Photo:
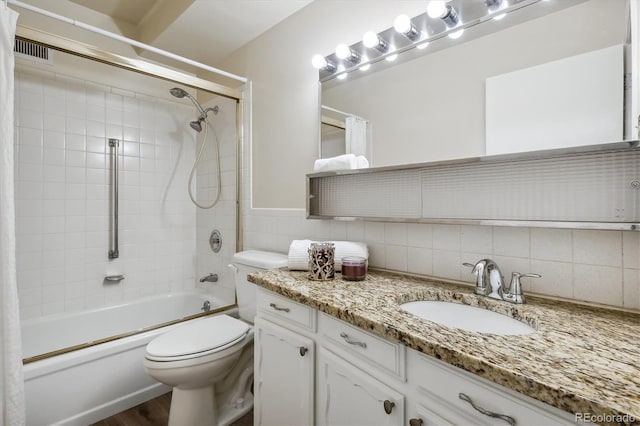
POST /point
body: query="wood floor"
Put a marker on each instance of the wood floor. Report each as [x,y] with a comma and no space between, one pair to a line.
[155,413]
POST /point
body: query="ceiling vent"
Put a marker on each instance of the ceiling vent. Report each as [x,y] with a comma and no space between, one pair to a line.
[33,51]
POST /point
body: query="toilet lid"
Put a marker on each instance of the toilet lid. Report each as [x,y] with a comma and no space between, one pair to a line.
[200,336]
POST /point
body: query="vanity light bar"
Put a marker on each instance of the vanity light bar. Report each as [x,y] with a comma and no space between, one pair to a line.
[358,56]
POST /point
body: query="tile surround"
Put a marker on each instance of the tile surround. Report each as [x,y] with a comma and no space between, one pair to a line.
[62,188]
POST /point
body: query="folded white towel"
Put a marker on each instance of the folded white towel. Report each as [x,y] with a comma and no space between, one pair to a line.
[341,162]
[362,162]
[299,253]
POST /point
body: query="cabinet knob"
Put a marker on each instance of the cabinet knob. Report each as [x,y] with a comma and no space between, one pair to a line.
[388,406]
[416,422]
[303,350]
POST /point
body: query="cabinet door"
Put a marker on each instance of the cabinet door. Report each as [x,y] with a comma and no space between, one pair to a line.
[283,381]
[348,396]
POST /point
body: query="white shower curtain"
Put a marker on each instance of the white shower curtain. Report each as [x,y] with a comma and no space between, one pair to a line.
[356,136]
[11,378]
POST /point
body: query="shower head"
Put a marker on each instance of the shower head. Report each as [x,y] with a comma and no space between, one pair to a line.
[196,125]
[180,93]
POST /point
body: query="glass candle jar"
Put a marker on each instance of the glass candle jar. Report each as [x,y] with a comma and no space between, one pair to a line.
[354,268]
[322,261]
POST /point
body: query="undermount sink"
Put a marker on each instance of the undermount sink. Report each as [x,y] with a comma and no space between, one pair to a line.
[467,317]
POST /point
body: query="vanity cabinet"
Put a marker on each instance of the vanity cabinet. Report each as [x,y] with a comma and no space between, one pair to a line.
[348,396]
[348,376]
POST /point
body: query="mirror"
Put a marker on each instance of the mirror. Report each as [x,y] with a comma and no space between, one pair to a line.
[443,104]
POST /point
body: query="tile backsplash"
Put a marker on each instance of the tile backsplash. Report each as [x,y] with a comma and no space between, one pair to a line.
[592,266]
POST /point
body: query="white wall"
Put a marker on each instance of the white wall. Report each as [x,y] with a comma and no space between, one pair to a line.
[594,266]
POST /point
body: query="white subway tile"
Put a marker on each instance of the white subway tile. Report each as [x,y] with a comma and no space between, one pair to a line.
[599,284]
[556,280]
[631,249]
[631,295]
[374,232]
[419,235]
[420,261]
[446,237]
[396,257]
[513,242]
[552,244]
[395,234]
[477,239]
[597,247]
[446,264]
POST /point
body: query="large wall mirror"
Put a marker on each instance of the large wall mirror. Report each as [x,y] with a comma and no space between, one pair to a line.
[505,86]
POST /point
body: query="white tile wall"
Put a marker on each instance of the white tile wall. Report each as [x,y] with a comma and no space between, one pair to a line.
[593,266]
[62,190]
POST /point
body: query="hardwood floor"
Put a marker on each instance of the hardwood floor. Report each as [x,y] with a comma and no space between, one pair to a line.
[155,413]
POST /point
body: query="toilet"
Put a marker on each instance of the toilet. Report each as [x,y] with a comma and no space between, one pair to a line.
[209,362]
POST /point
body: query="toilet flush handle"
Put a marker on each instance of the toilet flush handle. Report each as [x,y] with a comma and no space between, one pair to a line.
[233,267]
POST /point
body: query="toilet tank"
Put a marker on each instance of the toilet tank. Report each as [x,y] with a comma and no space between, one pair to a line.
[246,262]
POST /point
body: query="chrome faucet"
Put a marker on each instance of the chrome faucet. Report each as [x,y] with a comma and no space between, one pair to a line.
[211,278]
[490,282]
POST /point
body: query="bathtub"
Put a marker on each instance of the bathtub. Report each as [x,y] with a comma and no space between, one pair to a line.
[82,367]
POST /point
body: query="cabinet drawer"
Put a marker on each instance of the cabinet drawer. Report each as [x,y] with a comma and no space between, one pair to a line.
[357,345]
[281,308]
[442,384]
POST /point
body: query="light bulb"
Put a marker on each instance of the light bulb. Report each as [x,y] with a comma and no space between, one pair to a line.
[402,24]
[436,9]
[391,58]
[318,61]
[343,51]
[370,39]
[456,34]
[423,45]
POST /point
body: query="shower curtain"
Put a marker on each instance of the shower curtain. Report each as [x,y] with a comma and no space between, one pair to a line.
[11,378]
[356,136]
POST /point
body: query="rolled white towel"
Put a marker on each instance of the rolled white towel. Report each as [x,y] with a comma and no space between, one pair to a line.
[341,162]
[362,162]
[299,253]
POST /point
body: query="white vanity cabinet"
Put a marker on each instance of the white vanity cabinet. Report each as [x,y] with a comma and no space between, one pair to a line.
[348,396]
[348,376]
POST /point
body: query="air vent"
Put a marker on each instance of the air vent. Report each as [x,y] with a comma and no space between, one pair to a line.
[33,51]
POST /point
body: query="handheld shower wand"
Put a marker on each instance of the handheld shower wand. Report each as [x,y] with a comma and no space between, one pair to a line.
[197,126]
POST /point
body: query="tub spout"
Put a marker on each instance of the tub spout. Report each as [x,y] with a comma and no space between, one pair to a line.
[211,278]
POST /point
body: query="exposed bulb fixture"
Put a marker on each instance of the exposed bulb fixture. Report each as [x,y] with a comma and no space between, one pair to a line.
[456,34]
[404,26]
[495,6]
[345,52]
[321,63]
[439,9]
[371,40]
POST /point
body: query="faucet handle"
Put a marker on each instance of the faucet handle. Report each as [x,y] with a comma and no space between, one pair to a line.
[483,287]
[514,292]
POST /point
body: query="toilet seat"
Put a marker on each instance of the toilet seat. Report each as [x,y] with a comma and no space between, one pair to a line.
[199,339]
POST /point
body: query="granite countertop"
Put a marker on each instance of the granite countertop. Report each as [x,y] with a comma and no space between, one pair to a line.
[582,359]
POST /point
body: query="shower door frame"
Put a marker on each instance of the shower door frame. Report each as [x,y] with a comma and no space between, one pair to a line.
[140,66]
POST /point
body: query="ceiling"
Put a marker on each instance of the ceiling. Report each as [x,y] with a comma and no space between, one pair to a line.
[203,30]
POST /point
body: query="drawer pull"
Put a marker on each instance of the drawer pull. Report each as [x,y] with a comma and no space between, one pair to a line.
[347,339]
[303,350]
[416,422]
[388,406]
[277,308]
[504,417]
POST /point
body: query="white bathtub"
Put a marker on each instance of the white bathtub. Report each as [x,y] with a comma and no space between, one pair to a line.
[103,375]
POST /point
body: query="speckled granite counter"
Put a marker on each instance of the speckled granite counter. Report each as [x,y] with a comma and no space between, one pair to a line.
[581,360]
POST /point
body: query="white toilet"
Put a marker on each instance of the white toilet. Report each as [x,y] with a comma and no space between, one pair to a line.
[209,362]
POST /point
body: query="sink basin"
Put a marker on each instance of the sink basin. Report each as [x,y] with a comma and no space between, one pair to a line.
[467,317]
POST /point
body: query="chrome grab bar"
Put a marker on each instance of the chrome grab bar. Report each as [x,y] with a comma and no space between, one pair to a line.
[113,252]
[114,278]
